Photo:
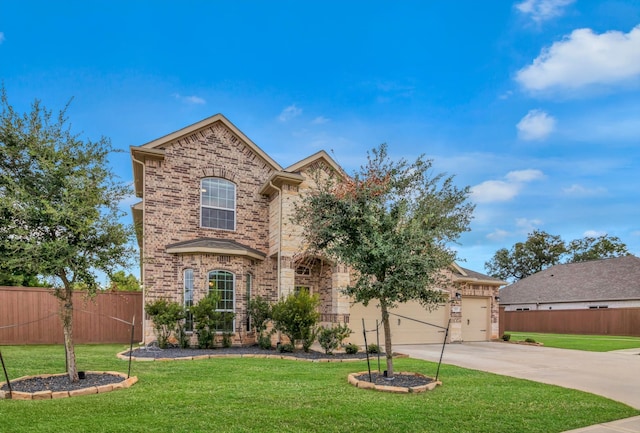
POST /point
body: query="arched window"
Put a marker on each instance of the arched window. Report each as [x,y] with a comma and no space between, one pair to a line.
[223,283]
[188,298]
[217,204]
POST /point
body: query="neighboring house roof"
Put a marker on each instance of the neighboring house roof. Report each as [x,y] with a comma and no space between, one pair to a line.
[596,280]
[214,246]
[463,275]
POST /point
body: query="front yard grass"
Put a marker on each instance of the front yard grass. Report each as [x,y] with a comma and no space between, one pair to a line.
[591,343]
[271,395]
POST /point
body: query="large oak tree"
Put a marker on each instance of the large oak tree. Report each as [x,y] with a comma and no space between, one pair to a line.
[392,223]
[59,215]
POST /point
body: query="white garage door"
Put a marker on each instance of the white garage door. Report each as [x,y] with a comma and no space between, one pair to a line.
[475,319]
[403,330]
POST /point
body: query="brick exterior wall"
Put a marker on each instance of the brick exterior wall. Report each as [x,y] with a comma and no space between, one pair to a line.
[171,214]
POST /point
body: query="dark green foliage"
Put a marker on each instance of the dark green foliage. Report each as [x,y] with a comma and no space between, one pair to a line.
[392,222]
[286,348]
[260,313]
[542,250]
[351,348]
[264,342]
[506,337]
[373,348]
[331,338]
[226,339]
[182,335]
[529,340]
[165,316]
[120,281]
[59,208]
[208,321]
[296,316]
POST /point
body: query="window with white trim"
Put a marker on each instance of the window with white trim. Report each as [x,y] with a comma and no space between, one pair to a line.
[217,204]
[223,283]
[188,298]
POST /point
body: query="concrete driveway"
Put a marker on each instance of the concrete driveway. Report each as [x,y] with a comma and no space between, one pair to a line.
[615,375]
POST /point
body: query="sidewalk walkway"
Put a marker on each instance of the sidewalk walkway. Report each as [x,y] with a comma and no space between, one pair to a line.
[627,425]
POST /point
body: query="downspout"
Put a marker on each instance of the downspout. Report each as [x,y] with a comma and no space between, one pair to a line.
[142,285]
[279,238]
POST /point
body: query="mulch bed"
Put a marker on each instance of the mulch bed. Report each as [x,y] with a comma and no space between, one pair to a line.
[402,380]
[61,383]
[174,352]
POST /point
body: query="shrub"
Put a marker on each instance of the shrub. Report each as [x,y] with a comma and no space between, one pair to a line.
[208,321]
[286,348]
[506,337]
[181,335]
[296,317]
[373,348]
[351,348]
[331,338]
[260,314]
[529,340]
[165,316]
[264,342]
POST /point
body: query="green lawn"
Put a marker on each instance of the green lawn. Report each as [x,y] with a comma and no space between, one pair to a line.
[270,395]
[592,343]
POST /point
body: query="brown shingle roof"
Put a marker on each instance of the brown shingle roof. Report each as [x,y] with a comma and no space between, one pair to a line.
[597,280]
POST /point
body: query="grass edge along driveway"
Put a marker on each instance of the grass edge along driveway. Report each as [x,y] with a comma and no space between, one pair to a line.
[271,395]
[591,343]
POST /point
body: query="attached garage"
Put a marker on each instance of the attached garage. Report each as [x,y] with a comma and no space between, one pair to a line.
[403,330]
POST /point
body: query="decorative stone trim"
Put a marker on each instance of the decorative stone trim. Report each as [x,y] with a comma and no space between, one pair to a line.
[362,384]
[48,395]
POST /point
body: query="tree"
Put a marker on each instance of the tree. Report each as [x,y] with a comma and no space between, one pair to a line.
[538,252]
[391,223]
[594,248]
[123,282]
[542,250]
[58,208]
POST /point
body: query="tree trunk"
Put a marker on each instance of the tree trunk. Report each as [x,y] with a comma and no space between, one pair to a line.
[66,312]
[387,338]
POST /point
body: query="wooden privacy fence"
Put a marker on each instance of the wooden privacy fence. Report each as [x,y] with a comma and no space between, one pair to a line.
[30,316]
[604,321]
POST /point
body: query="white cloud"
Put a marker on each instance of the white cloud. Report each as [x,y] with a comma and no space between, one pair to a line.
[196,100]
[289,113]
[491,191]
[498,235]
[584,58]
[320,120]
[1,37]
[536,125]
[524,175]
[528,225]
[593,234]
[579,190]
[542,10]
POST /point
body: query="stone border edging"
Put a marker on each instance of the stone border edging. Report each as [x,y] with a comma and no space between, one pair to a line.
[121,355]
[395,389]
[47,395]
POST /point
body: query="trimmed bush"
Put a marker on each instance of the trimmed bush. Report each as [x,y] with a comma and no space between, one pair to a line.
[331,338]
[373,348]
[165,316]
[506,337]
[351,348]
[296,317]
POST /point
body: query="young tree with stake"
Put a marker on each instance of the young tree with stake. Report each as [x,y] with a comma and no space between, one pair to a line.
[391,223]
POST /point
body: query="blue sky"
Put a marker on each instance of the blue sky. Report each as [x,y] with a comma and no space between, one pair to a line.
[534,104]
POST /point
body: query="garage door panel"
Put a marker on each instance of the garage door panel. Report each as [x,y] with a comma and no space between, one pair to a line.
[403,329]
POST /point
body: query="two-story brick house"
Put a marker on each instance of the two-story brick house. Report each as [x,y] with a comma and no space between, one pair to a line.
[216,214]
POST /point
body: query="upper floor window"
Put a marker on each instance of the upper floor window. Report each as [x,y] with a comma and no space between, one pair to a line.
[217,204]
